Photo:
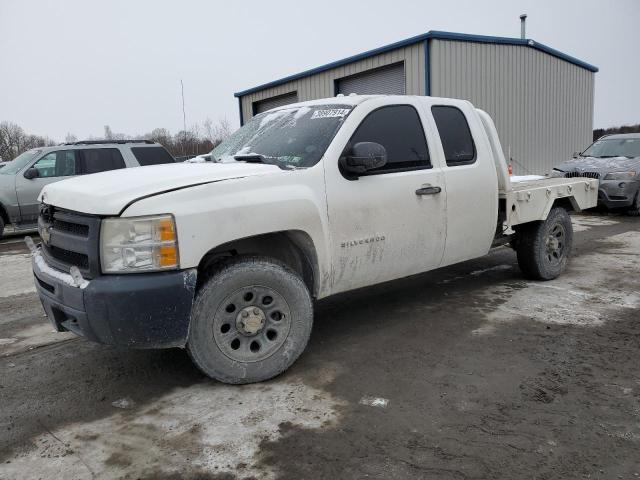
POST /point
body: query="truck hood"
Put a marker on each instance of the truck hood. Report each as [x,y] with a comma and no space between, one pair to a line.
[109,193]
[601,165]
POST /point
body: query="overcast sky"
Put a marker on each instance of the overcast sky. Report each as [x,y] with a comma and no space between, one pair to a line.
[77,65]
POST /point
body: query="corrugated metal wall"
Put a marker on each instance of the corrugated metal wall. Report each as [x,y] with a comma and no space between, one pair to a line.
[321,85]
[542,106]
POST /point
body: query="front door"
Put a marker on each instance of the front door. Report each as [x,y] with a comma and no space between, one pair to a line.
[52,167]
[390,222]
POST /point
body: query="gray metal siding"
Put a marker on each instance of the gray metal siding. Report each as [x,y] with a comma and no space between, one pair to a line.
[322,84]
[387,80]
[542,105]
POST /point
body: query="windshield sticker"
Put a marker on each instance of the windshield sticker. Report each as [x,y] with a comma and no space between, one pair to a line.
[330,113]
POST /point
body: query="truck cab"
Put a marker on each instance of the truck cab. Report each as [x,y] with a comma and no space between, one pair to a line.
[311,199]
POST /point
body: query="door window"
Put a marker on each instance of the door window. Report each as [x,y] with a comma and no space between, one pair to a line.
[95,160]
[57,164]
[399,130]
[455,135]
[152,156]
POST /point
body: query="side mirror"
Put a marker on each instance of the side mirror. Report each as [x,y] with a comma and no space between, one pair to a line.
[363,156]
[31,173]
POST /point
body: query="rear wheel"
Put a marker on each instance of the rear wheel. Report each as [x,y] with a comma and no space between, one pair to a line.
[543,248]
[250,321]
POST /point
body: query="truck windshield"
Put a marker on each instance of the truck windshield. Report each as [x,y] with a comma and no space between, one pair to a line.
[295,137]
[18,163]
[614,147]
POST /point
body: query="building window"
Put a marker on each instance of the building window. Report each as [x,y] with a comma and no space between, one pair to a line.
[399,130]
[455,135]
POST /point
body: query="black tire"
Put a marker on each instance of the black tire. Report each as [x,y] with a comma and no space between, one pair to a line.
[634,210]
[543,248]
[1,227]
[222,345]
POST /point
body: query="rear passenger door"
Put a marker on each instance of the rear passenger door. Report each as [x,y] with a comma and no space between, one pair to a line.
[385,224]
[472,182]
[96,160]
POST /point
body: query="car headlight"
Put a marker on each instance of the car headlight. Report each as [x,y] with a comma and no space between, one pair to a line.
[620,175]
[139,244]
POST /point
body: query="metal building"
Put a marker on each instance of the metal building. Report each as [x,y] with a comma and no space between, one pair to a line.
[540,99]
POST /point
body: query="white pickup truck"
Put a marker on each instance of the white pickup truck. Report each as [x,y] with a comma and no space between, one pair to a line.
[308,200]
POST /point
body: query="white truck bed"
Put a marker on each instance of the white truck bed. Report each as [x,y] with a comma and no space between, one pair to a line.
[532,200]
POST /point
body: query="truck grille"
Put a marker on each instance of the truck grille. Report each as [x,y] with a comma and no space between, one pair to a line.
[70,239]
[595,175]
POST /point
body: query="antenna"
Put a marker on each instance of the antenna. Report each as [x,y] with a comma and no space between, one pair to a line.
[184,119]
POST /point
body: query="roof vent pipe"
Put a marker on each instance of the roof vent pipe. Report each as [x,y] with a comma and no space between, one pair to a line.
[523,26]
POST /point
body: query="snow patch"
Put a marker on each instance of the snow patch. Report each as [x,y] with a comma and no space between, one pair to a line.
[582,223]
[209,426]
[568,300]
[16,277]
[57,274]
[526,178]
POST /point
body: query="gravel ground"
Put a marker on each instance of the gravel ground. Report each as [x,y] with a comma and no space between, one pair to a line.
[463,373]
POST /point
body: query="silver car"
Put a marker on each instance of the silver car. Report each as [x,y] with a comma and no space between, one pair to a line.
[615,161]
[22,179]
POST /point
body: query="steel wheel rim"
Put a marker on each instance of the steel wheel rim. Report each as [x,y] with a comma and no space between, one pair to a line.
[261,332]
[555,244]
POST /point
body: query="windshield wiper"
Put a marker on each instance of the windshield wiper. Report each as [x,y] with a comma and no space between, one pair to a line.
[251,158]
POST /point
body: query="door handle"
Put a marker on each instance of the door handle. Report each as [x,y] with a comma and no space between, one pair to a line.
[428,190]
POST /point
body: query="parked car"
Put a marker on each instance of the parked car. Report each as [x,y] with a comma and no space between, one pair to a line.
[614,160]
[23,178]
[323,197]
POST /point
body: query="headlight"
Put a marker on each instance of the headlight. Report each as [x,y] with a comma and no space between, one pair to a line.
[139,244]
[556,173]
[620,175]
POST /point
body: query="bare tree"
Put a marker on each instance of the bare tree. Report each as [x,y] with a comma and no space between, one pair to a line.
[14,141]
[217,133]
[70,138]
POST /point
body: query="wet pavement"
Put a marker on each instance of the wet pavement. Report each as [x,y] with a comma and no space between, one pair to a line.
[468,372]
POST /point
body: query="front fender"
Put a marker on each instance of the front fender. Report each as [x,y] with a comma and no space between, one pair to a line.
[211,215]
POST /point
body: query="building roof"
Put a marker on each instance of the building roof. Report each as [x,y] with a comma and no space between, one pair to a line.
[433,34]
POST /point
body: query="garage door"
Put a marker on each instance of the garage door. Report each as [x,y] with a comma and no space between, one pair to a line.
[387,80]
[273,102]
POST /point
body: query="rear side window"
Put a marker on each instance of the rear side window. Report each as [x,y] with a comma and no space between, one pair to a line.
[455,135]
[152,156]
[399,130]
[95,160]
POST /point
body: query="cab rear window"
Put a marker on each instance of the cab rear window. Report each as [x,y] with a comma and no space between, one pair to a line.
[152,156]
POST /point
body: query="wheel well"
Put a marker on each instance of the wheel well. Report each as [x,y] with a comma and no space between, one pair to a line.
[294,248]
[568,203]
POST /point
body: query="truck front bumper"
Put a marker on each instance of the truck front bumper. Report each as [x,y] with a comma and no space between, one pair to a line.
[616,193]
[149,310]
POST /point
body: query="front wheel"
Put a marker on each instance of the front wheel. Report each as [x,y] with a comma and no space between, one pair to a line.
[250,321]
[634,210]
[543,248]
